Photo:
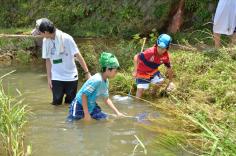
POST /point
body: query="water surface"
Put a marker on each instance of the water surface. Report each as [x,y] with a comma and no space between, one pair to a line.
[50,134]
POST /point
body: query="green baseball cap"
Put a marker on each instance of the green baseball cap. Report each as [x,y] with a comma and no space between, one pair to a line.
[108,60]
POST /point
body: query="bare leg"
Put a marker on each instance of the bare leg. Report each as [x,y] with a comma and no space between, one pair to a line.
[217,40]
[233,39]
[139,92]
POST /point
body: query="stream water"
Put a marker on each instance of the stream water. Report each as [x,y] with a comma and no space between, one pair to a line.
[49,134]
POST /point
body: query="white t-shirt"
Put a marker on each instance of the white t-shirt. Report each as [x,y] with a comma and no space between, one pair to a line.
[63,65]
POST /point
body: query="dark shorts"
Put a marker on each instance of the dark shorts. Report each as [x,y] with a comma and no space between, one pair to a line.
[145,81]
[76,112]
[61,88]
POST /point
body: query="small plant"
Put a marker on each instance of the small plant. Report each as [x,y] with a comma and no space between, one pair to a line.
[139,144]
[23,56]
[121,83]
[12,120]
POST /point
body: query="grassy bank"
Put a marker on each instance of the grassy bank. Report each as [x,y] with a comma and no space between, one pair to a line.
[202,108]
[21,50]
[14,30]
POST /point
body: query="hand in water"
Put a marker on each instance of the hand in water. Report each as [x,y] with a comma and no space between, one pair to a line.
[170,87]
[87,118]
[119,115]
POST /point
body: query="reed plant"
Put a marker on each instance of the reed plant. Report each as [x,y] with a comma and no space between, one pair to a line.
[12,120]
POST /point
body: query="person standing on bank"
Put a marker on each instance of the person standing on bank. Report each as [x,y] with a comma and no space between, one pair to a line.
[225,21]
[60,51]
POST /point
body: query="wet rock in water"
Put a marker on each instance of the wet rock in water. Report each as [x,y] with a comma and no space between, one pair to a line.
[6,59]
[121,98]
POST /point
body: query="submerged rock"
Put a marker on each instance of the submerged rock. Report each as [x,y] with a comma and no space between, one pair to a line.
[6,59]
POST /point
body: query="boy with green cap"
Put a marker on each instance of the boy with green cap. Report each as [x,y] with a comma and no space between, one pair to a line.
[84,105]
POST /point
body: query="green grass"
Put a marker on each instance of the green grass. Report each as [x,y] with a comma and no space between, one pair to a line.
[204,103]
[202,108]
[22,30]
[12,120]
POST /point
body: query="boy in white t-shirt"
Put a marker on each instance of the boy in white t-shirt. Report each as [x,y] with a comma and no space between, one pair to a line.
[60,51]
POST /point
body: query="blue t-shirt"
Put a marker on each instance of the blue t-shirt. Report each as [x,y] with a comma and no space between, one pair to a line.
[94,87]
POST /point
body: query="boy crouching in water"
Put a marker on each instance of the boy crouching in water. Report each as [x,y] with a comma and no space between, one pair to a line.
[84,105]
[146,66]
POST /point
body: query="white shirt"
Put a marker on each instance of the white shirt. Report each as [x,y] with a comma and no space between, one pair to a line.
[63,64]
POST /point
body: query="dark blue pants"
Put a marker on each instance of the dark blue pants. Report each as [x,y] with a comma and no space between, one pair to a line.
[76,112]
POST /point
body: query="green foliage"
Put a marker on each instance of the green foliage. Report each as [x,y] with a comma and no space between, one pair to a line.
[196,37]
[16,43]
[15,30]
[17,48]
[102,18]
[211,73]
[200,10]
[23,57]
[12,121]
[162,10]
[219,135]
[121,83]
[205,102]
[13,13]
[125,52]
[91,57]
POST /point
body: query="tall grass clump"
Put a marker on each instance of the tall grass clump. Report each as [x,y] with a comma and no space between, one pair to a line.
[12,120]
[202,108]
[122,83]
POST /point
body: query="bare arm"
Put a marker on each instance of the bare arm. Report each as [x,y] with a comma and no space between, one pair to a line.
[49,74]
[80,59]
[111,105]
[170,74]
[87,116]
[171,85]
[135,61]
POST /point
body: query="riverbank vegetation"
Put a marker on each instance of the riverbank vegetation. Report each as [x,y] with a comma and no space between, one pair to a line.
[12,121]
[122,18]
[202,108]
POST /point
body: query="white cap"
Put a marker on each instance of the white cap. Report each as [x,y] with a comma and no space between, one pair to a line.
[36,31]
